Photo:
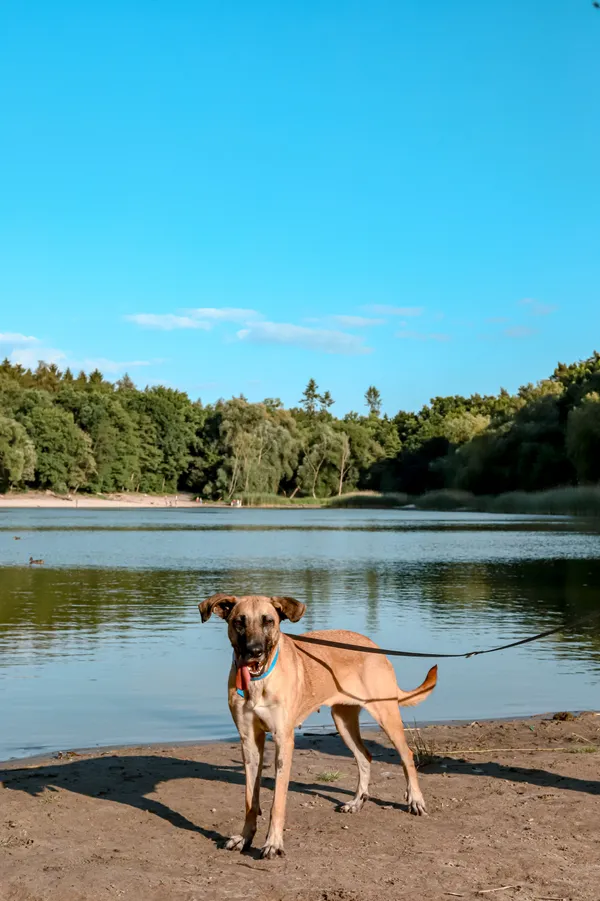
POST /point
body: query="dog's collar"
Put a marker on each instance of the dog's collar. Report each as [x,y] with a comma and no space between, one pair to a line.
[263,676]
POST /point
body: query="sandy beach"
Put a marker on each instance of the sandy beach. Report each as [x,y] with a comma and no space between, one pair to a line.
[48,500]
[513,808]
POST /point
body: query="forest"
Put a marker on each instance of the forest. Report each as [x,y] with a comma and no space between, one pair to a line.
[68,433]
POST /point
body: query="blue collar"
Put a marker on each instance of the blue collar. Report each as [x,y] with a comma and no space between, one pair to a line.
[264,675]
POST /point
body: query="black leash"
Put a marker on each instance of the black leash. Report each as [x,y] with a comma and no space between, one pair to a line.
[503,647]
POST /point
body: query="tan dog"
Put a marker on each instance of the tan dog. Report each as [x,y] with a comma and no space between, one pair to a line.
[276,681]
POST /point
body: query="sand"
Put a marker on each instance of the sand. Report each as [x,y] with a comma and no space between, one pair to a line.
[47,500]
[514,813]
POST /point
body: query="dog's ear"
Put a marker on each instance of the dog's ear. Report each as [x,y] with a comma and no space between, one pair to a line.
[221,604]
[289,608]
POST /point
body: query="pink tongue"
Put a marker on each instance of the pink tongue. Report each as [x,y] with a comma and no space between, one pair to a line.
[243,678]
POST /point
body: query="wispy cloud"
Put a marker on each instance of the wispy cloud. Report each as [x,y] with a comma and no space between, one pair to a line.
[28,351]
[109,367]
[519,331]
[17,338]
[223,314]
[383,309]
[31,356]
[356,321]
[167,322]
[422,336]
[325,340]
[536,308]
[497,320]
[204,318]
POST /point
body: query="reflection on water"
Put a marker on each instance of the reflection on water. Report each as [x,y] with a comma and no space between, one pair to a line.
[104,645]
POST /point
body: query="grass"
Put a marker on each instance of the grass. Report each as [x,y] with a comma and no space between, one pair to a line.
[424,751]
[586,749]
[279,500]
[329,776]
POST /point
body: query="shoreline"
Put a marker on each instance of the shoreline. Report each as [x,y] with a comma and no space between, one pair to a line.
[321,732]
[49,501]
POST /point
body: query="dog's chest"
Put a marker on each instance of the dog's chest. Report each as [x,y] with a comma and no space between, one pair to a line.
[264,707]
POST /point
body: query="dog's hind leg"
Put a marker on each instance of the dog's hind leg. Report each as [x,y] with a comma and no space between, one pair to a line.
[253,746]
[387,714]
[346,722]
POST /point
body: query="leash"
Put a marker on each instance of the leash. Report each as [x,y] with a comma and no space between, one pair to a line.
[388,653]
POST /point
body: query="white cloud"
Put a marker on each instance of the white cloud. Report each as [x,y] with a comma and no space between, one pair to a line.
[422,336]
[28,351]
[223,314]
[356,321]
[384,310]
[17,338]
[326,340]
[200,318]
[166,321]
[519,331]
[536,308]
[29,357]
[109,367]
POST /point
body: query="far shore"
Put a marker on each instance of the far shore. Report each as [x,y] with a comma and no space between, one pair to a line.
[49,500]
[580,500]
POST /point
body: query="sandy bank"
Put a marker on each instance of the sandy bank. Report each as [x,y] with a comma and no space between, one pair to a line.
[514,807]
[48,500]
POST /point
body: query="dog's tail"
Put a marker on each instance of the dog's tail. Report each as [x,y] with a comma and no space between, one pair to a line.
[414,697]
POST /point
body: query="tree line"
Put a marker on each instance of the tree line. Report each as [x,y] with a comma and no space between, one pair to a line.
[64,432]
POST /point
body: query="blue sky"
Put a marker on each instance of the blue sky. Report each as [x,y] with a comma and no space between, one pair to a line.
[237,197]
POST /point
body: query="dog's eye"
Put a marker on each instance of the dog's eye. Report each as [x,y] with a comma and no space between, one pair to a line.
[267,621]
[239,623]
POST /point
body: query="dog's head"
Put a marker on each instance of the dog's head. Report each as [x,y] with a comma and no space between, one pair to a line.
[253,624]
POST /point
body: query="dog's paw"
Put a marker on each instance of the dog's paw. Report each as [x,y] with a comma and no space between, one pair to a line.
[416,805]
[237,843]
[353,806]
[271,851]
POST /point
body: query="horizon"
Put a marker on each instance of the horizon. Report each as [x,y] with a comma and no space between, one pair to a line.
[232,201]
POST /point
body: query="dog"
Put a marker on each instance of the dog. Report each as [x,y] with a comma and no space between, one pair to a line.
[277,680]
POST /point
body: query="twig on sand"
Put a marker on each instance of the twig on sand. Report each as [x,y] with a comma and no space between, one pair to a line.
[502,888]
[582,737]
[496,750]
[454,894]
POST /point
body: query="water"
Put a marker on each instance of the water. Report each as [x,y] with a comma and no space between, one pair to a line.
[103,644]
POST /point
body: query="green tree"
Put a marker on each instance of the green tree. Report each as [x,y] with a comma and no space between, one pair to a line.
[17,454]
[325,401]
[261,448]
[115,440]
[310,398]
[373,400]
[322,455]
[64,454]
[583,438]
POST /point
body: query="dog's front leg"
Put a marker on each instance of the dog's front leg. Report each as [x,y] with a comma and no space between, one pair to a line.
[253,746]
[284,749]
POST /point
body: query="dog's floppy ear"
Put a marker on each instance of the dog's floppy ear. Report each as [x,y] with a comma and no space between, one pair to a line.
[221,604]
[289,608]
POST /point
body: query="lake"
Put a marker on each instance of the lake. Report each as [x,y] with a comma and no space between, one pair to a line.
[103,644]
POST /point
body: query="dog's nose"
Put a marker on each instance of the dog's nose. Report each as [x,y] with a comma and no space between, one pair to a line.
[254,649]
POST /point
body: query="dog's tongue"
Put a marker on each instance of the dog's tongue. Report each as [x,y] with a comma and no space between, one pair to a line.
[242,678]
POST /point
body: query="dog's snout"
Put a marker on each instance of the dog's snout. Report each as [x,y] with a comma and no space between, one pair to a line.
[254,649]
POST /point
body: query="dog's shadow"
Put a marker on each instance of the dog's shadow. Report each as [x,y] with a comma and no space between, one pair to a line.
[129,779]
